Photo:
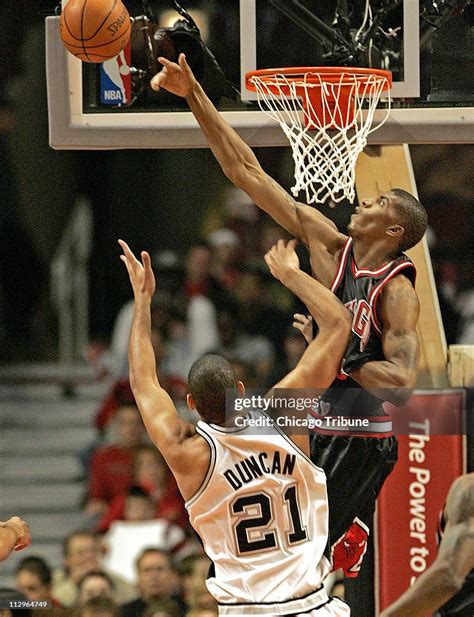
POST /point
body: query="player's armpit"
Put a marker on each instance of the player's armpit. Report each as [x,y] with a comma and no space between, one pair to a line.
[319,230]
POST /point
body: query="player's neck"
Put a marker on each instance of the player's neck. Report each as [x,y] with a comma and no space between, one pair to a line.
[371,255]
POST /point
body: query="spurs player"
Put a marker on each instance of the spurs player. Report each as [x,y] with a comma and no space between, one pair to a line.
[256,499]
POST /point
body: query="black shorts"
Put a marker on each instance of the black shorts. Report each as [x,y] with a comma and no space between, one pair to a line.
[356,468]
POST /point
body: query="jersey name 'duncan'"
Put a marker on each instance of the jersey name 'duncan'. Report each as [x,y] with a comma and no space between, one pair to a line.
[253,467]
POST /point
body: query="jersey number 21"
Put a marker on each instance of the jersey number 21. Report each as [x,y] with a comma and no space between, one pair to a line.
[254,532]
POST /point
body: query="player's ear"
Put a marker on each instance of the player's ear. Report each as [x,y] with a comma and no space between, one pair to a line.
[241,388]
[395,231]
[190,402]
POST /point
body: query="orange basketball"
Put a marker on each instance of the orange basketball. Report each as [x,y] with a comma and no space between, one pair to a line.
[95,30]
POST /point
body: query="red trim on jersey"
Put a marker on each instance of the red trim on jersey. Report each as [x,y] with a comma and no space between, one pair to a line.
[342,266]
[369,431]
[336,433]
[385,418]
[360,273]
[375,291]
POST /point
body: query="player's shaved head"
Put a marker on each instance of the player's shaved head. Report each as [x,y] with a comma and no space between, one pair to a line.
[412,217]
[208,380]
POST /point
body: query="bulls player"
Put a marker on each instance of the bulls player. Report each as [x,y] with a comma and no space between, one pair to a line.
[369,272]
[255,498]
[448,584]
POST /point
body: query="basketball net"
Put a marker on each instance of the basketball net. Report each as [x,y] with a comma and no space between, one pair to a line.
[327,115]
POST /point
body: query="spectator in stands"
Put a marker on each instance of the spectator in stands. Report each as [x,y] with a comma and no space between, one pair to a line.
[241,215]
[82,554]
[156,580]
[225,246]
[34,579]
[138,505]
[169,269]
[100,607]
[126,539]
[198,278]
[113,360]
[151,473]
[254,350]
[192,331]
[245,372]
[162,608]
[293,347]
[120,394]
[95,584]
[14,535]
[193,572]
[111,466]
[258,312]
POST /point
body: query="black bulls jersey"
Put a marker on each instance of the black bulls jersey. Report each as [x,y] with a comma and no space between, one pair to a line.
[359,291]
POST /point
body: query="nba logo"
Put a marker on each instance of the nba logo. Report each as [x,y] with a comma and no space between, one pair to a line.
[115,79]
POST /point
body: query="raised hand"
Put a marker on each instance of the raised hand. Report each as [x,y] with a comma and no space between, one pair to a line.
[304,323]
[140,273]
[176,78]
[282,260]
[20,527]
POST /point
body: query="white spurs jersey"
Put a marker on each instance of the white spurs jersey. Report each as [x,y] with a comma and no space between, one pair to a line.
[262,515]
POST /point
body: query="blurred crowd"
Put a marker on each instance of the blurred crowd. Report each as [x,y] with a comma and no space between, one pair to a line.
[85,587]
[219,296]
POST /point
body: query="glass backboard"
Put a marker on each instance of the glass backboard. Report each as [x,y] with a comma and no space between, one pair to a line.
[428,47]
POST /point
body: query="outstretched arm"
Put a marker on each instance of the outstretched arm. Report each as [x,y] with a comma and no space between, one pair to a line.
[395,376]
[239,162]
[321,360]
[166,429]
[455,559]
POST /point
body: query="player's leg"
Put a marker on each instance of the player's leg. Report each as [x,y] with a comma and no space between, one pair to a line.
[356,468]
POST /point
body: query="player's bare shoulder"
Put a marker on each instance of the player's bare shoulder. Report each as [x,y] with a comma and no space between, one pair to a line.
[400,295]
[190,462]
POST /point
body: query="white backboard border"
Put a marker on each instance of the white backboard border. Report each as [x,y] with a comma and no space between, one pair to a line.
[71,129]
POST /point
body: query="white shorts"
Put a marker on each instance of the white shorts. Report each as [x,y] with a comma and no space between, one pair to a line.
[334,608]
